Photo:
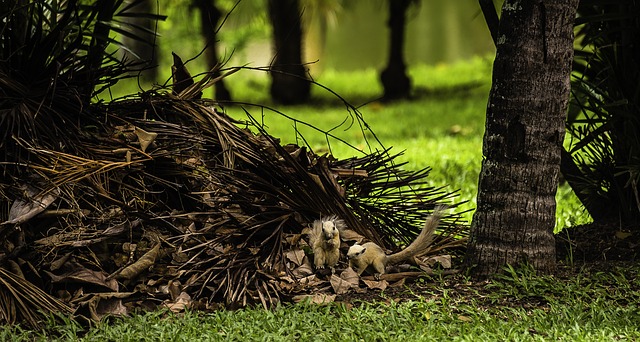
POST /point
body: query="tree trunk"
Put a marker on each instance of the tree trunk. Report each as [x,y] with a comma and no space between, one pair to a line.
[395,81]
[289,82]
[144,49]
[515,217]
[209,17]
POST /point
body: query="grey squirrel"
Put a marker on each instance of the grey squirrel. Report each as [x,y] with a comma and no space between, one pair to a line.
[325,241]
[371,255]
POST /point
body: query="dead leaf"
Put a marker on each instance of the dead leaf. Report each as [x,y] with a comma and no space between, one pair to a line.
[103,307]
[58,263]
[303,271]
[351,235]
[106,303]
[84,275]
[349,172]
[376,284]
[146,261]
[173,288]
[399,283]
[443,260]
[317,298]
[317,179]
[180,75]
[296,256]
[311,280]
[145,138]
[621,235]
[182,302]
[120,228]
[22,210]
[293,239]
[424,266]
[339,285]
[350,276]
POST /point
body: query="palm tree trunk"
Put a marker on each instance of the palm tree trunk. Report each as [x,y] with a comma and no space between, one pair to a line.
[289,83]
[209,17]
[515,217]
[394,77]
[143,48]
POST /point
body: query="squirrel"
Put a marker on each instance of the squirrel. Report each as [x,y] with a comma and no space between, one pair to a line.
[325,241]
[371,255]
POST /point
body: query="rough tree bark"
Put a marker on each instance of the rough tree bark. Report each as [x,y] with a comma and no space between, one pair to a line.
[289,82]
[395,81]
[209,17]
[515,217]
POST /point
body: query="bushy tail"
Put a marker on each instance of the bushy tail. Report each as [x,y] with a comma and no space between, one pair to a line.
[423,241]
[315,232]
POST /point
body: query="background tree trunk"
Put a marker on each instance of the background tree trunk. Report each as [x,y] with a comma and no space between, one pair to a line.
[289,83]
[209,17]
[515,217]
[395,81]
[145,47]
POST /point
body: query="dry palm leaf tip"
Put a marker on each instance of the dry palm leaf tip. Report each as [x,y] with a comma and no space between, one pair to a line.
[163,200]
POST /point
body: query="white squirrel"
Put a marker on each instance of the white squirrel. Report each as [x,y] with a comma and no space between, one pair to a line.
[325,241]
[371,255]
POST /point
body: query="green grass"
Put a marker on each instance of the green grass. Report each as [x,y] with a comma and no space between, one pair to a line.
[517,306]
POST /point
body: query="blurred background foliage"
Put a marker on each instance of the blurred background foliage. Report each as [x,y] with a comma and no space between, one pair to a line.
[338,35]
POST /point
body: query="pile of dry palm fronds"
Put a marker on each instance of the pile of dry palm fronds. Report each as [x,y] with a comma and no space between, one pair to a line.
[160,199]
[171,197]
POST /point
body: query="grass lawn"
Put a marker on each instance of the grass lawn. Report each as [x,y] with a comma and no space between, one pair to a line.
[591,305]
[441,128]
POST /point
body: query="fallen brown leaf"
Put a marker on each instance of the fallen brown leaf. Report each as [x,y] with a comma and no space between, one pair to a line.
[376,284]
[351,235]
[84,275]
[182,302]
[145,261]
[339,285]
[350,276]
[23,210]
[296,256]
[317,298]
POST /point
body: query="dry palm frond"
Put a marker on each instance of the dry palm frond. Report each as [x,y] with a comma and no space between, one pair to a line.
[166,193]
[53,61]
[22,302]
[222,198]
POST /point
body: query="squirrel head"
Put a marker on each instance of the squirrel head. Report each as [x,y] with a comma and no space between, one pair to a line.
[329,230]
[355,251]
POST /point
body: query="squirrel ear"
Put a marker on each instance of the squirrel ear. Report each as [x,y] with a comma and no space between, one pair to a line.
[363,250]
